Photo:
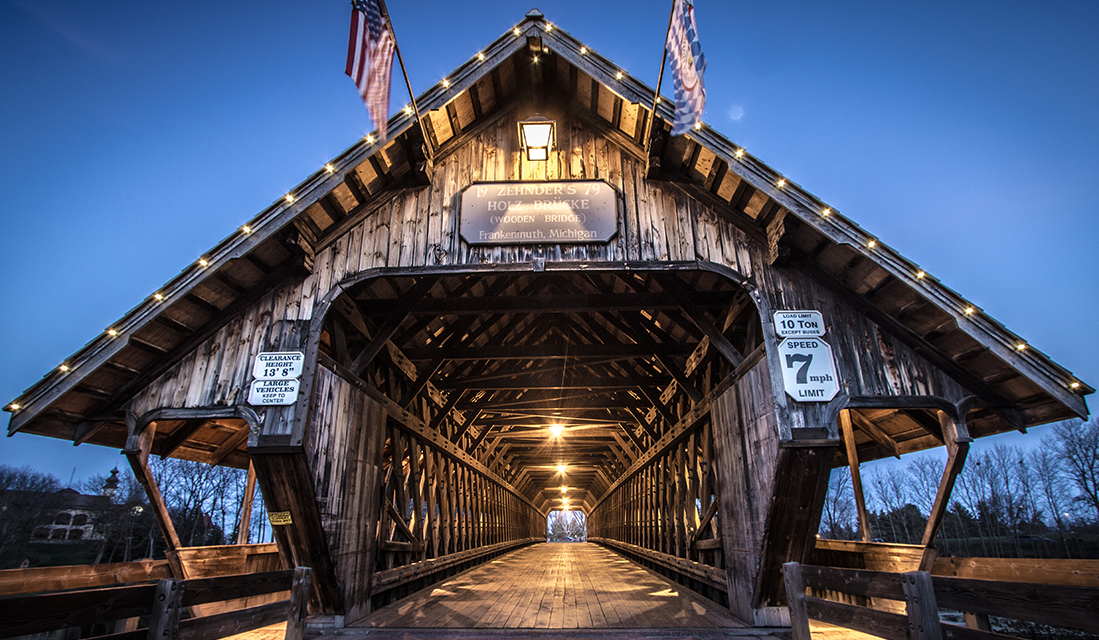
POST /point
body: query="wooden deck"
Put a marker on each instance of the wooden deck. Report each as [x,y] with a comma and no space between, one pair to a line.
[557,587]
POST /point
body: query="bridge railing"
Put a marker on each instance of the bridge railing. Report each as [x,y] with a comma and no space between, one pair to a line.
[904,606]
[163,602]
[662,512]
[443,512]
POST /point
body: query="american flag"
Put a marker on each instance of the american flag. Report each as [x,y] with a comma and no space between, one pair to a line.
[370,60]
[688,65]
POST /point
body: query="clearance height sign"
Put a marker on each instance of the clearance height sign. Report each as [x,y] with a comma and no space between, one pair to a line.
[277,378]
[808,368]
[566,212]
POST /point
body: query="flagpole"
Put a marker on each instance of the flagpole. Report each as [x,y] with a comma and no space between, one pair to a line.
[404,72]
[659,80]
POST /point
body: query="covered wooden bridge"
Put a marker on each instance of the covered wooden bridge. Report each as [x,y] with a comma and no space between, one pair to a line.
[414,394]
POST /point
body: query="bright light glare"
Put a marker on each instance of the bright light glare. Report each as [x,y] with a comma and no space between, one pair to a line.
[556,430]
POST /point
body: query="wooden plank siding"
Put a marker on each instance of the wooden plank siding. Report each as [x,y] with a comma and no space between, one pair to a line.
[416,232]
[657,223]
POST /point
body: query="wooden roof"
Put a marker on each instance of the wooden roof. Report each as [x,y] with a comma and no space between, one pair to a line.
[92,385]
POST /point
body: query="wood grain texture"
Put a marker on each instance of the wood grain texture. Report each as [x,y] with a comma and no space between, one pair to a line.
[554,586]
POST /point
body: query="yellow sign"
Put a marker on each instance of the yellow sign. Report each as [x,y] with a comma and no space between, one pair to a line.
[279,517]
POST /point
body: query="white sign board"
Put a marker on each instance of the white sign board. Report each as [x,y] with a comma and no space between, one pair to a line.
[799,323]
[808,369]
[278,365]
[273,392]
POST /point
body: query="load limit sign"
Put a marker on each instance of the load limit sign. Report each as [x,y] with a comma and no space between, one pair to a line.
[808,368]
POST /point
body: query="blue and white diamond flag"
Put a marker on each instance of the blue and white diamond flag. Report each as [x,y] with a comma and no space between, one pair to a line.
[688,64]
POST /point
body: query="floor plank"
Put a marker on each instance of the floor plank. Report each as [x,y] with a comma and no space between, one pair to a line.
[554,586]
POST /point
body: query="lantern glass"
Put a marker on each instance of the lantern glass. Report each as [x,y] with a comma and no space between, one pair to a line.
[536,137]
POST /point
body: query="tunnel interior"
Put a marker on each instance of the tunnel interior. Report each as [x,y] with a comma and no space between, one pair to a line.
[556,381]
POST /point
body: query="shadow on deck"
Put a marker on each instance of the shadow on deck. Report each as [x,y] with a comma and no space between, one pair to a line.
[563,590]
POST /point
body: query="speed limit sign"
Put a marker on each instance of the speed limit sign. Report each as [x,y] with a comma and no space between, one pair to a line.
[808,369]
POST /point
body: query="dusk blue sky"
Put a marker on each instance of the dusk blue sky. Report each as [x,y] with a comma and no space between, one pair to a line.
[136,135]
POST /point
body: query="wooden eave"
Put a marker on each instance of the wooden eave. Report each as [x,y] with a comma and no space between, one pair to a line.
[81,402]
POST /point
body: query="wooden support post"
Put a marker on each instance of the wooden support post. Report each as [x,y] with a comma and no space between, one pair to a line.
[795,595]
[287,485]
[138,446]
[245,521]
[164,619]
[957,443]
[299,599]
[921,606]
[856,477]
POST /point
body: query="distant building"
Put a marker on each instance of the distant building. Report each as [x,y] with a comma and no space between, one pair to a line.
[63,516]
[73,517]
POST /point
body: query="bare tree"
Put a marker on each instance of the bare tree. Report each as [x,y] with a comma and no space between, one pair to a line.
[926,472]
[202,499]
[839,520]
[1078,446]
[889,490]
[1054,495]
[567,526]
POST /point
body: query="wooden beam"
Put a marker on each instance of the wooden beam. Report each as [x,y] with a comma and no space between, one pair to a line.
[392,324]
[872,430]
[406,531]
[451,401]
[856,476]
[229,446]
[547,352]
[176,439]
[244,523]
[138,446]
[562,303]
[672,286]
[672,437]
[643,328]
[415,426]
[442,354]
[287,484]
[957,443]
[552,382]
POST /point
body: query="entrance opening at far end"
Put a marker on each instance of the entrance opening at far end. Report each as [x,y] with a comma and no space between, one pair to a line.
[566,526]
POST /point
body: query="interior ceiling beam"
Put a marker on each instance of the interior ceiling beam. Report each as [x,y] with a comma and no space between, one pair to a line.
[180,435]
[563,303]
[609,399]
[503,372]
[392,324]
[549,352]
[552,383]
[875,432]
[643,327]
[562,417]
[447,345]
[645,425]
[674,287]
